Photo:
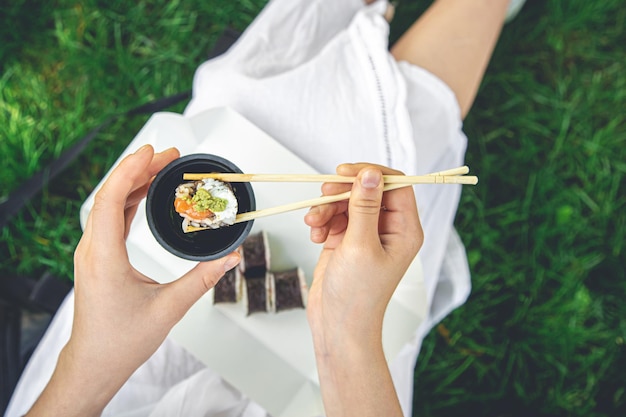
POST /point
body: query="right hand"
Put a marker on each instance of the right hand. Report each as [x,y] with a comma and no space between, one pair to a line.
[369,243]
[367,249]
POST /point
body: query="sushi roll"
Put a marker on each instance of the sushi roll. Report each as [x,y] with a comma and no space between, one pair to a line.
[206,204]
[255,258]
[289,289]
[228,288]
[258,293]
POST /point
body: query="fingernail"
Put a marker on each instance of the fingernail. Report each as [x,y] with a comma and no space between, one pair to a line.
[371,178]
[231,262]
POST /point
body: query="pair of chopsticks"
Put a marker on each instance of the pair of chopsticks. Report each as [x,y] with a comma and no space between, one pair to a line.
[392,182]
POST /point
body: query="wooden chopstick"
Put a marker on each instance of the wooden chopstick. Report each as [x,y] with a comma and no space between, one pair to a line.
[251,215]
[451,176]
[454,171]
[327,199]
[388,179]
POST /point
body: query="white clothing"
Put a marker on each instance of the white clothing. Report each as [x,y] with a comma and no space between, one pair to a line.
[318,78]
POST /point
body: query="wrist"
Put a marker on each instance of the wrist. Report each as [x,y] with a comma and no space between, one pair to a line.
[353,372]
[354,323]
[337,336]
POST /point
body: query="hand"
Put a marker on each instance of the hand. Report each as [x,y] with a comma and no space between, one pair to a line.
[369,243]
[121,316]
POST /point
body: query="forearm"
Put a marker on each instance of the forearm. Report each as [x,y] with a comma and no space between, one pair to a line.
[354,376]
[76,389]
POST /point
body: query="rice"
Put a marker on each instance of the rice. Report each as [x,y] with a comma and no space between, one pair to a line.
[207,203]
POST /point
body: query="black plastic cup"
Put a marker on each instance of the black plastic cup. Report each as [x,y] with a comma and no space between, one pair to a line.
[166,224]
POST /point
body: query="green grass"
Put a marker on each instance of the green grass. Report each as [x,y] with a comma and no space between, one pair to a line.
[544,330]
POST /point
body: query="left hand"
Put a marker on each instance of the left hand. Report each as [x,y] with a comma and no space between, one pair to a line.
[121,316]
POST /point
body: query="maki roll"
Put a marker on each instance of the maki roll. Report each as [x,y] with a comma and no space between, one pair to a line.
[261,289]
[255,252]
[208,204]
[258,293]
[289,289]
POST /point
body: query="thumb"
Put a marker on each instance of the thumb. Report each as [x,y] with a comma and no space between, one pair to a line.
[188,289]
[364,206]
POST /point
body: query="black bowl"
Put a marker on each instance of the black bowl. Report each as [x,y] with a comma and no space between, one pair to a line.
[166,224]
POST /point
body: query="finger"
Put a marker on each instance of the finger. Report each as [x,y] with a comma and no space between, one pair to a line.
[107,218]
[129,215]
[132,204]
[402,199]
[319,219]
[334,236]
[353,169]
[138,194]
[364,206]
[336,230]
[349,170]
[337,224]
[111,195]
[319,215]
[314,220]
[332,188]
[184,292]
[161,159]
[142,185]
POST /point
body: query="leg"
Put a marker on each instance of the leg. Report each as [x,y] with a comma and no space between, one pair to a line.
[454,40]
